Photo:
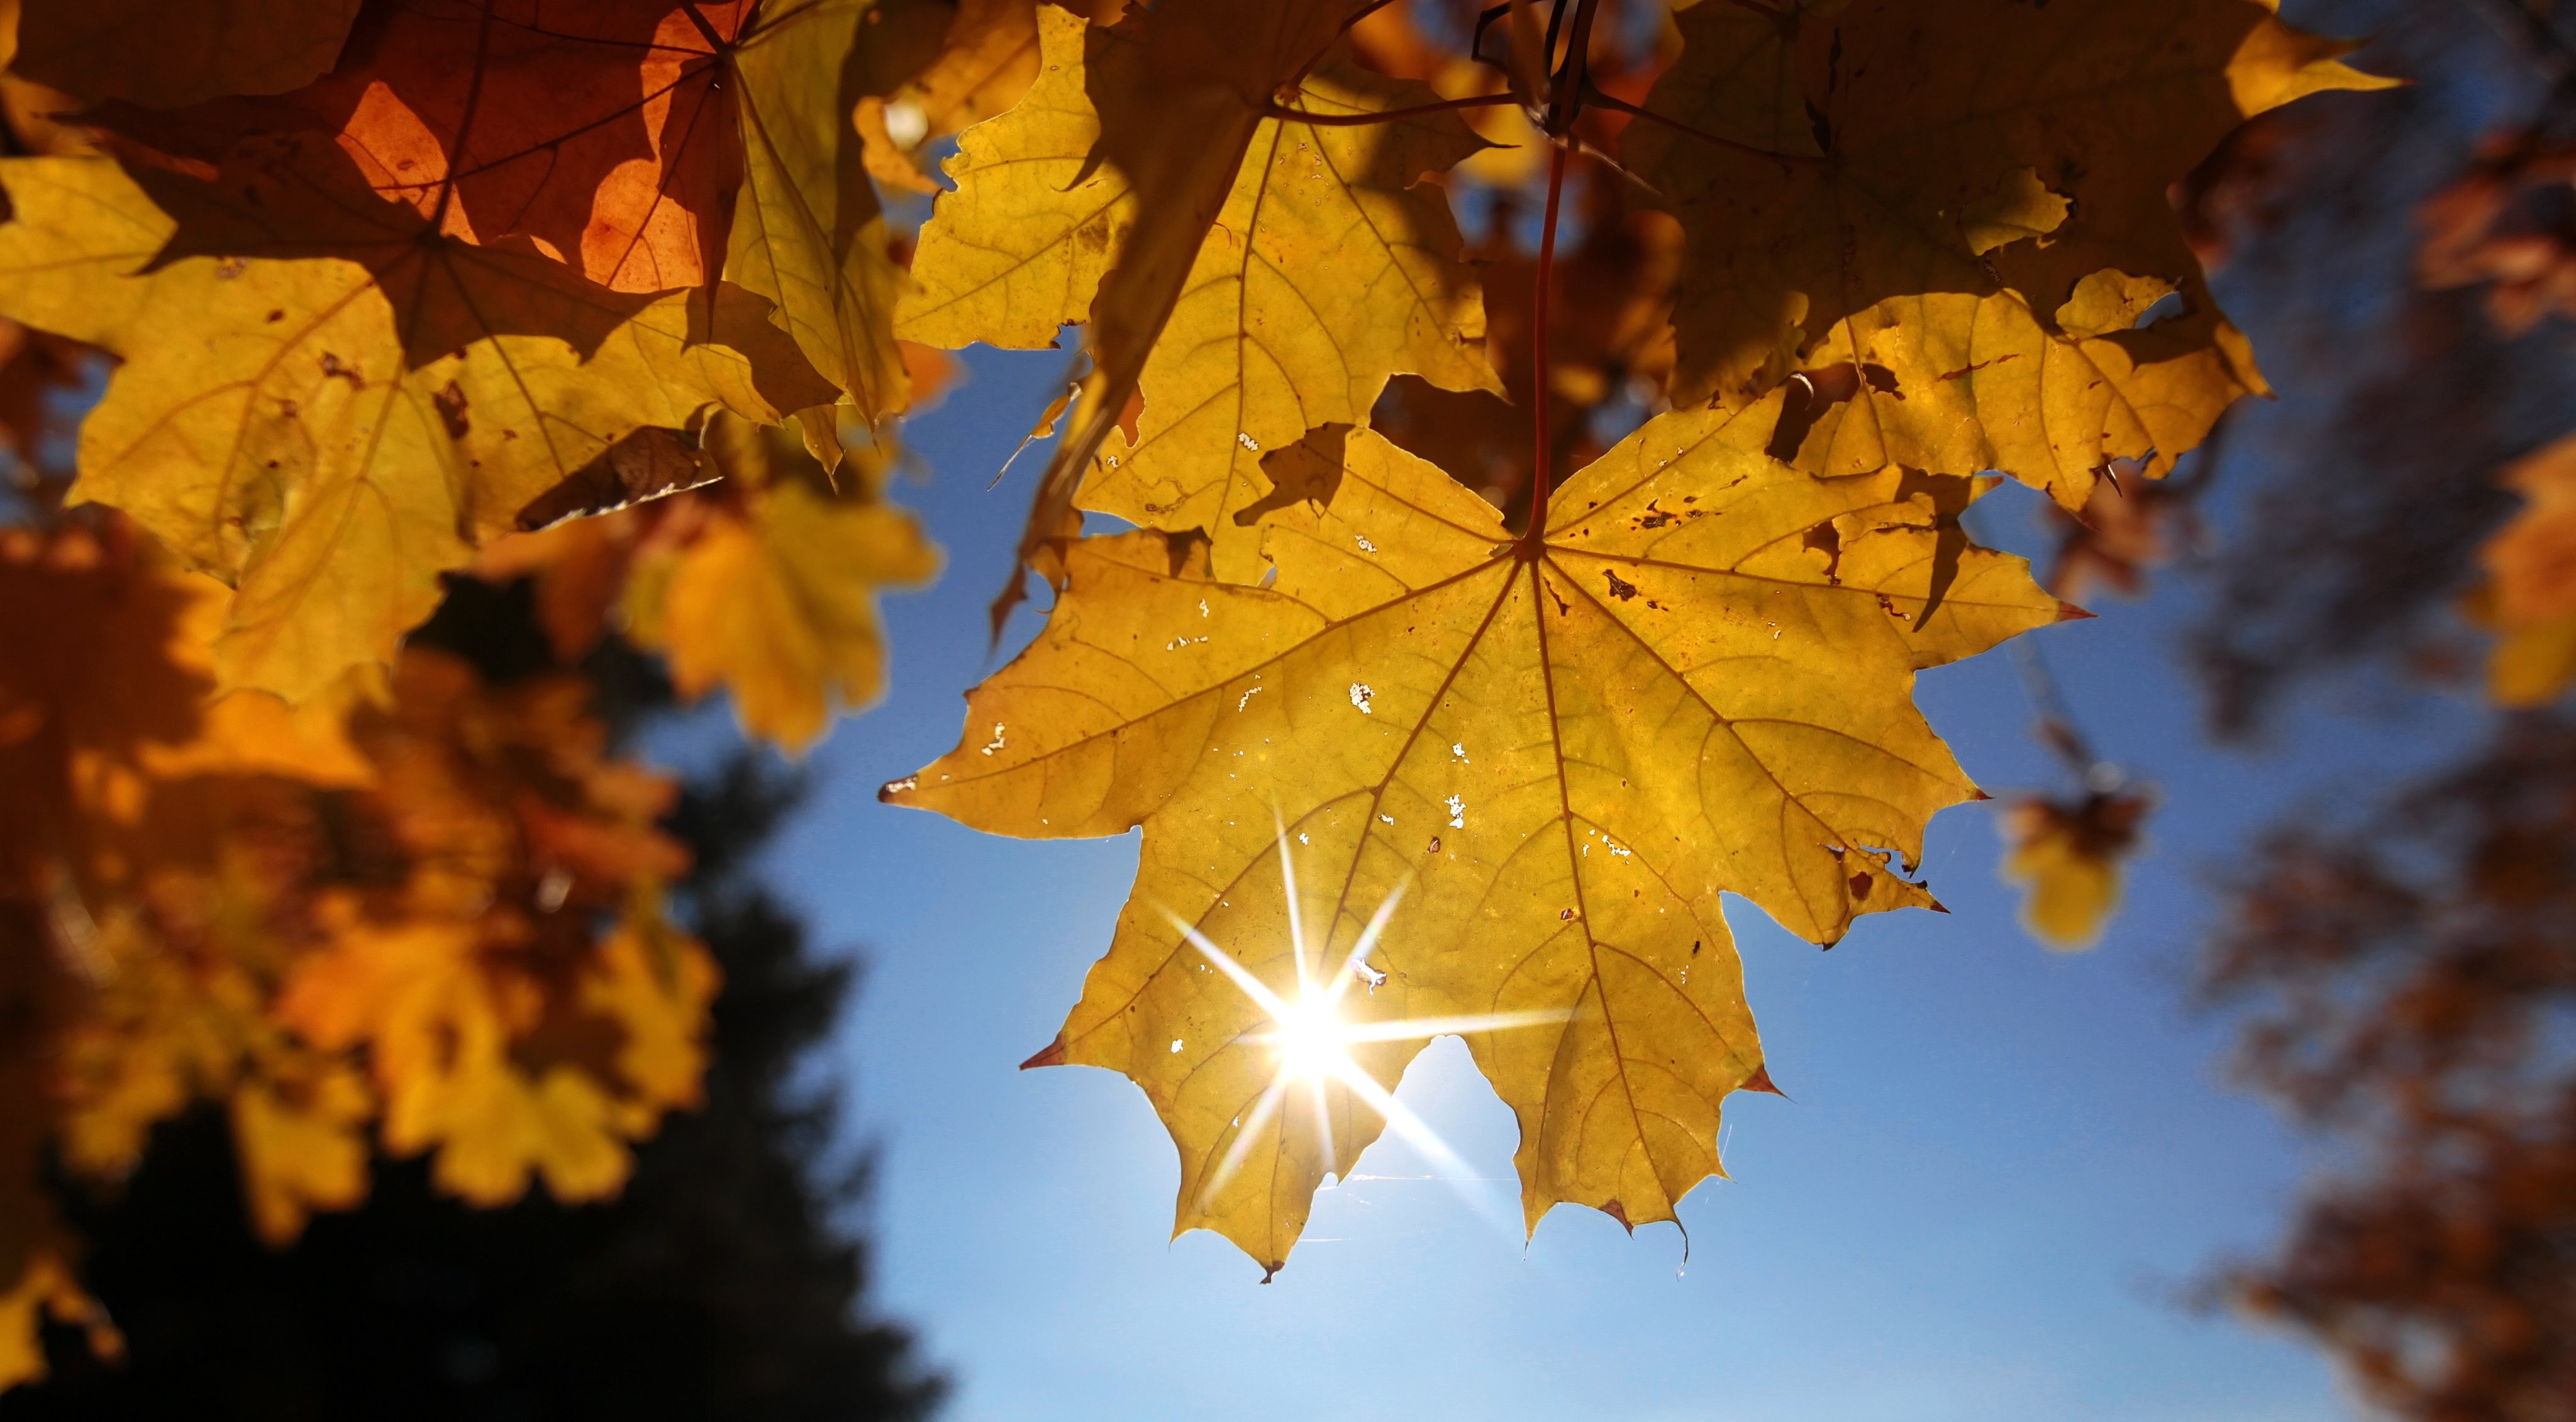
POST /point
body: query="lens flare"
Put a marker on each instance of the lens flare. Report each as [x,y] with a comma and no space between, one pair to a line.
[1310,1042]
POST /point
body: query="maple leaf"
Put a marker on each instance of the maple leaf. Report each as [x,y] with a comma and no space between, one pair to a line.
[765,583]
[2068,857]
[46,1287]
[303,1147]
[648,146]
[807,233]
[776,597]
[596,128]
[1952,217]
[329,434]
[2529,596]
[1563,750]
[987,58]
[167,56]
[1249,276]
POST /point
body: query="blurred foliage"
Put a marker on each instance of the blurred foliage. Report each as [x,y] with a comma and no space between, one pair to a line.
[2406,979]
[2412,986]
[2352,527]
[720,1283]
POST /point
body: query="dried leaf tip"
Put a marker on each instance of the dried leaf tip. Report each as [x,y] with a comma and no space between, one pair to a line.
[887,792]
[1052,1054]
[2069,612]
[1761,1081]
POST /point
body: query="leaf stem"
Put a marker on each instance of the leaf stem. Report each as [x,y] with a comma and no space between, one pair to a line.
[1476,101]
[1572,82]
[1534,537]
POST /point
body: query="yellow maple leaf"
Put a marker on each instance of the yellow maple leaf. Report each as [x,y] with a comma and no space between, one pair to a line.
[807,231]
[1953,215]
[2068,858]
[2529,598]
[1251,276]
[986,60]
[45,1285]
[776,598]
[654,984]
[1561,750]
[302,1147]
[327,434]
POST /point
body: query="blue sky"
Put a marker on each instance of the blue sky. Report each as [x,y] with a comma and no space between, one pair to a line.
[1997,1171]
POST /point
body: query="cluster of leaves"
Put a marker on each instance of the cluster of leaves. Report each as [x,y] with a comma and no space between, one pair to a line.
[1849,257]
[387,286]
[440,910]
[381,293]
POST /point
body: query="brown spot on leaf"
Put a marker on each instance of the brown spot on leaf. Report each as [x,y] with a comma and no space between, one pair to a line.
[451,410]
[1309,471]
[1967,370]
[1826,539]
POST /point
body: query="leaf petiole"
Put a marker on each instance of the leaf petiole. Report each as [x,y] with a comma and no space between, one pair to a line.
[1534,537]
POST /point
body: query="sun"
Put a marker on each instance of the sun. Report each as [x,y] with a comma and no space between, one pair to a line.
[1309,1038]
[1310,1042]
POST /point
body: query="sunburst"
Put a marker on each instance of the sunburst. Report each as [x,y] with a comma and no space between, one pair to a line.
[1311,1042]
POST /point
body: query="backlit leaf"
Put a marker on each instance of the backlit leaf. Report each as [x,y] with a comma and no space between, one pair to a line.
[2067,857]
[1250,277]
[1954,214]
[807,234]
[1699,683]
[775,597]
[327,434]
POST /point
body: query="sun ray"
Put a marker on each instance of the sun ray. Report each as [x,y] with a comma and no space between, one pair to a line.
[1311,1042]
[1296,923]
[1244,1136]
